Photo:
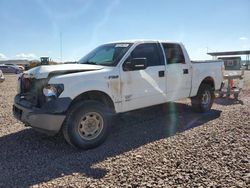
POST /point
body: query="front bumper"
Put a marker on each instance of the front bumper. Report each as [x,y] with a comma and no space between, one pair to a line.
[48,119]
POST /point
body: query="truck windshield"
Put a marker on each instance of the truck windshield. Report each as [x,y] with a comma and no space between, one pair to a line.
[107,54]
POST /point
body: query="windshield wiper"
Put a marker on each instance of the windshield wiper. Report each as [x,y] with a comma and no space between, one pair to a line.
[90,63]
[106,63]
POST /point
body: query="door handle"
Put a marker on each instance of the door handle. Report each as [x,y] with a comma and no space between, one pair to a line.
[161,73]
[185,71]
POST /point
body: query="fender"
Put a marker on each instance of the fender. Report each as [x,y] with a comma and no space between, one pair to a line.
[78,83]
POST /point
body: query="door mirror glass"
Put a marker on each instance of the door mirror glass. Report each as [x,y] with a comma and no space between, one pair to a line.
[135,64]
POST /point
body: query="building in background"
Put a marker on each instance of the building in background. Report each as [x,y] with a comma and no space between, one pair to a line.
[232,59]
[232,63]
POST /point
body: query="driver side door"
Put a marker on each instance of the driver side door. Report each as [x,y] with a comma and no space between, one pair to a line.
[145,87]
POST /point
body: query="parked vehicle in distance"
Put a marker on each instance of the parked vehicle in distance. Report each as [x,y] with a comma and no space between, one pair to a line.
[19,66]
[1,77]
[81,99]
[10,69]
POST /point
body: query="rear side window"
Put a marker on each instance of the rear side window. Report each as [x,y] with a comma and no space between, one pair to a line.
[173,53]
[149,51]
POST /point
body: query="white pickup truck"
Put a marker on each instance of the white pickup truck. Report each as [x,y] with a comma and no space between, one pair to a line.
[81,99]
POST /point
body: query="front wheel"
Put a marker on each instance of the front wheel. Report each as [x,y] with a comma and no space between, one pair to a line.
[87,124]
[204,99]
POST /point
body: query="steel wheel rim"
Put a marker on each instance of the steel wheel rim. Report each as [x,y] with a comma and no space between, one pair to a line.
[90,125]
[206,98]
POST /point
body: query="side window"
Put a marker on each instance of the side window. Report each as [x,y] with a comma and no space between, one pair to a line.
[173,53]
[149,51]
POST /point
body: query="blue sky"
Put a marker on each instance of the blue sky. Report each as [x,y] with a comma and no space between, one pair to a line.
[31,28]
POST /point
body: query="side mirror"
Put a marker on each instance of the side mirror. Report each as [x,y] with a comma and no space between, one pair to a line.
[135,64]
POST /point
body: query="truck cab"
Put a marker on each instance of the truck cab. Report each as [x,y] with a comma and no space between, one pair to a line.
[166,75]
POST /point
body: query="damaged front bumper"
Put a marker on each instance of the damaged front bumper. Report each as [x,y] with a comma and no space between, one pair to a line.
[48,119]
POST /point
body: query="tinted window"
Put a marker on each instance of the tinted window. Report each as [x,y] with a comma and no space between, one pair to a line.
[148,51]
[173,53]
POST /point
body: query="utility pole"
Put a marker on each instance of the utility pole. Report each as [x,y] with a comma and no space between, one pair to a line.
[61,46]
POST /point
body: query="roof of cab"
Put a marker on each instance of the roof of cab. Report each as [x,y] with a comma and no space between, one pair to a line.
[141,40]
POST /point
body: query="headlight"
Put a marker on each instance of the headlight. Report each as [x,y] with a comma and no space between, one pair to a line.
[53,90]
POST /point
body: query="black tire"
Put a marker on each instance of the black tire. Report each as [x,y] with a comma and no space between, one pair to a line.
[198,102]
[72,127]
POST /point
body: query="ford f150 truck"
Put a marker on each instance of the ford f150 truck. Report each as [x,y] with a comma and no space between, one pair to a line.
[81,99]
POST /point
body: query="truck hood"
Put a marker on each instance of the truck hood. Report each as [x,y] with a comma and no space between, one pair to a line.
[50,70]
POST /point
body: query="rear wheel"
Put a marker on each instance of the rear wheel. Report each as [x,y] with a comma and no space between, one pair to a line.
[87,124]
[203,101]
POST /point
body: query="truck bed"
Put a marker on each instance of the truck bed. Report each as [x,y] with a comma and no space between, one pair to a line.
[206,61]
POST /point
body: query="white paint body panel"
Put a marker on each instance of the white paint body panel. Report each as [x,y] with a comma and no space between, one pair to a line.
[135,89]
[143,88]
[203,70]
[43,71]
[178,84]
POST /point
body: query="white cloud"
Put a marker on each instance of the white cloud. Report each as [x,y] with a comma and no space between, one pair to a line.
[2,56]
[26,56]
[243,38]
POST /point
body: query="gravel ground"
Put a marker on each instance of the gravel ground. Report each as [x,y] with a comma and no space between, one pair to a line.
[154,147]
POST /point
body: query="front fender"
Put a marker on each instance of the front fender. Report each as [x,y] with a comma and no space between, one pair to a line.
[74,89]
[74,86]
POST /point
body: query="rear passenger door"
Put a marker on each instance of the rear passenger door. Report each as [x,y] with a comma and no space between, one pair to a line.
[178,72]
[141,88]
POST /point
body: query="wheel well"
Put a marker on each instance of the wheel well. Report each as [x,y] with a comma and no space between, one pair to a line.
[97,96]
[209,81]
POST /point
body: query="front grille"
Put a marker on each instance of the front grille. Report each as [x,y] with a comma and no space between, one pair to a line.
[31,90]
[25,84]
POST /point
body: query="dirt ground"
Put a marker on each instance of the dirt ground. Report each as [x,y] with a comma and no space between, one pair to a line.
[153,147]
[247,80]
